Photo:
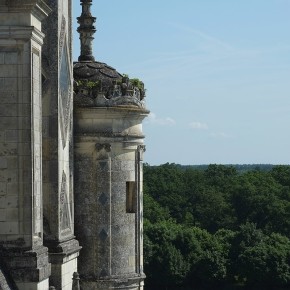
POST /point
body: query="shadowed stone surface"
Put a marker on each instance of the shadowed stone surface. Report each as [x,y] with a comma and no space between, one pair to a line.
[5,280]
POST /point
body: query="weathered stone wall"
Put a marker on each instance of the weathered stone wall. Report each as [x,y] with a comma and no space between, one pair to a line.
[21,232]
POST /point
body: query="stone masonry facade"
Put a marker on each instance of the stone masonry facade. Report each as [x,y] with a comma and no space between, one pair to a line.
[71,153]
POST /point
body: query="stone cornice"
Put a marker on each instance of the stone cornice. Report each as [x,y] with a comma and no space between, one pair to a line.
[110,137]
[111,112]
[20,32]
[41,10]
[38,7]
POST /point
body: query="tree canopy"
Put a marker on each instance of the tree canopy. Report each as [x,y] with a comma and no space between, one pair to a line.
[216,227]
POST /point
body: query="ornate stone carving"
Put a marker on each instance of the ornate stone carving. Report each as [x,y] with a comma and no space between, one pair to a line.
[118,93]
[106,147]
[140,151]
[141,148]
[98,84]
[65,91]
[62,37]
[65,209]
[86,31]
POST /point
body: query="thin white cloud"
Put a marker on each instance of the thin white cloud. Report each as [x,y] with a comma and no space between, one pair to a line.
[203,36]
[208,55]
[153,119]
[198,126]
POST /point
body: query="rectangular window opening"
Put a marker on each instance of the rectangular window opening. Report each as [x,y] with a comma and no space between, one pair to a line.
[131,197]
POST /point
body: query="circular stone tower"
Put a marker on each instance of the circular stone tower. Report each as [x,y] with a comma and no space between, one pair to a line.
[108,112]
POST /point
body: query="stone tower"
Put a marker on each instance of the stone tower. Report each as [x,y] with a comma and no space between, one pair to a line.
[108,141]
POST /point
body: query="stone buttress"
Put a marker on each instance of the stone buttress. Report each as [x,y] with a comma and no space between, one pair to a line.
[22,253]
[58,202]
[108,146]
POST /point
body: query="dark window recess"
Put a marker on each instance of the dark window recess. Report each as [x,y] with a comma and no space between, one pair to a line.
[131,197]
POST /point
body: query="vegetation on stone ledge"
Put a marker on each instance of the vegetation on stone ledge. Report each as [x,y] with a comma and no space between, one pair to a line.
[216,228]
[88,84]
[135,82]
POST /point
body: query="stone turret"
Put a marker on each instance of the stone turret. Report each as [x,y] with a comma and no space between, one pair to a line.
[108,143]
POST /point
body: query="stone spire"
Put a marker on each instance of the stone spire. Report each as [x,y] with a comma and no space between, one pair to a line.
[86,31]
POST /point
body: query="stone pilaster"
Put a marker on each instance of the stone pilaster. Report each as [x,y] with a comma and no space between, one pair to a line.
[139,225]
[108,194]
[57,146]
[21,232]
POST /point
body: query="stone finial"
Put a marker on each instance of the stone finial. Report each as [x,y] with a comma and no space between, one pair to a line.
[86,31]
[76,281]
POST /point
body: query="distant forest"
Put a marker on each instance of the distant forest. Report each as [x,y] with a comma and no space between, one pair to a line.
[239,167]
[217,227]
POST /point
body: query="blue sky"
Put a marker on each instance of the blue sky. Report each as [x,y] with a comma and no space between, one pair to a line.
[217,75]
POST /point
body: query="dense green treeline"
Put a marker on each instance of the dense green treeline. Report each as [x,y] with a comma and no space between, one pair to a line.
[217,228]
[239,167]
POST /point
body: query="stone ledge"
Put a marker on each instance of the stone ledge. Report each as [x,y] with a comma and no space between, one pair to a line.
[60,252]
[27,265]
[113,282]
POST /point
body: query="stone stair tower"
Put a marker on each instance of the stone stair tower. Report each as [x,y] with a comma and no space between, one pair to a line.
[108,151]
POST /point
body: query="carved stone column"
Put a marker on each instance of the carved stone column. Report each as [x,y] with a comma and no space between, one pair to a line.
[57,146]
[21,230]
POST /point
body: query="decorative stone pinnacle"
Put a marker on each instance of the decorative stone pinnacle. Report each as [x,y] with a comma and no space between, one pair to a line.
[76,281]
[86,31]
